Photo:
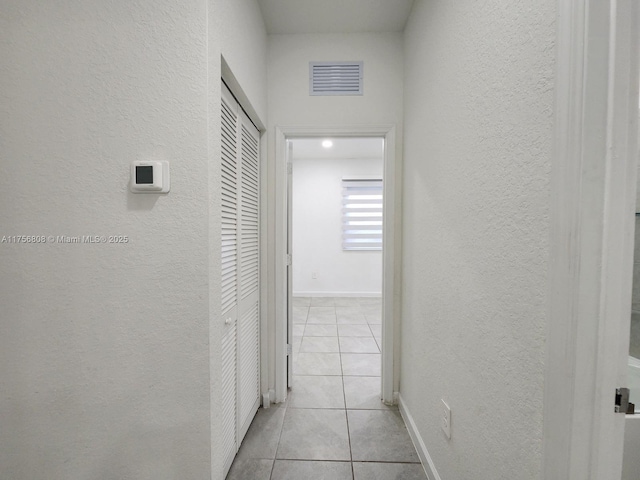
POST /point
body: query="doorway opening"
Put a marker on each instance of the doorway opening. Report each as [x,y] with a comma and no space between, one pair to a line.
[342,298]
[335,240]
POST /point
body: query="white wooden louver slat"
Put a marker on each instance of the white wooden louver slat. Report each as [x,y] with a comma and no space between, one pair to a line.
[229,275]
[240,245]
[229,207]
[249,213]
[248,351]
[248,280]
[228,400]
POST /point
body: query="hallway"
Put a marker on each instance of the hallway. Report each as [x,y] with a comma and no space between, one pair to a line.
[333,425]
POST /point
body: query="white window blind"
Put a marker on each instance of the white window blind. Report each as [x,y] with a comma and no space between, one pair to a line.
[362,214]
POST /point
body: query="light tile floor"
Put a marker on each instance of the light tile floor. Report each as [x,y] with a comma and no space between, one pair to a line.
[333,425]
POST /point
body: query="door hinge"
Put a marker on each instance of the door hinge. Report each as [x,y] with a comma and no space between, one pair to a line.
[289,260]
[289,168]
[622,400]
[289,349]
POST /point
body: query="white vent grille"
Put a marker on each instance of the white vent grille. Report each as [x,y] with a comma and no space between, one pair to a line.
[335,78]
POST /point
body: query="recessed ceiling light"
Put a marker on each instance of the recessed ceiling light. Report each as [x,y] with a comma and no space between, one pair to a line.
[327,144]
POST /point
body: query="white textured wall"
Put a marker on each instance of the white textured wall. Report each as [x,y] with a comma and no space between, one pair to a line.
[289,102]
[105,365]
[289,99]
[240,30]
[478,130]
[104,348]
[317,230]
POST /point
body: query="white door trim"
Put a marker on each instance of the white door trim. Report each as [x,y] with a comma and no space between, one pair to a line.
[288,160]
[391,249]
[593,205]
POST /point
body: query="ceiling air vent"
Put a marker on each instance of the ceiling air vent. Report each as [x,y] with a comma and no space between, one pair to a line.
[335,78]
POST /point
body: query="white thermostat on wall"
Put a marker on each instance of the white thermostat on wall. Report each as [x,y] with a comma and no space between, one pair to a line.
[150,177]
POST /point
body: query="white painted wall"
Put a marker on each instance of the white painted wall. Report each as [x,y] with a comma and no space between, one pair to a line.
[105,365]
[631,461]
[631,464]
[479,81]
[238,29]
[288,96]
[317,231]
[289,104]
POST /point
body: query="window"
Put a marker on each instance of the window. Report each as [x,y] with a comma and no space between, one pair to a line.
[362,214]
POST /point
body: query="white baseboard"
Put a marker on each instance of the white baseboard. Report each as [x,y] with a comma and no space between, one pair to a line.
[268,398]
[425,458]
[338,294]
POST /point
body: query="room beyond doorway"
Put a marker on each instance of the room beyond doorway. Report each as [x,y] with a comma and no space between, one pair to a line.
[336,218]
[282,191]
[335,207]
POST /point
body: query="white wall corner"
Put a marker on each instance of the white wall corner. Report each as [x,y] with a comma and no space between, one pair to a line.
[418,443]
[269,398]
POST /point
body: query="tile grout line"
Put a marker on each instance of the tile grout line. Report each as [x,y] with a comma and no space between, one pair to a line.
[338,336]
[273,465]
[344,396]
[286,406]
[374,339]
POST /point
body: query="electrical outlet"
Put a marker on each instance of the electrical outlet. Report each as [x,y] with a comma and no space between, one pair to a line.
[314,275]
[445,421]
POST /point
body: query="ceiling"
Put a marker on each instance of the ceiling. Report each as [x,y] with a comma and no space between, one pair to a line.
[335,16]
[344,148]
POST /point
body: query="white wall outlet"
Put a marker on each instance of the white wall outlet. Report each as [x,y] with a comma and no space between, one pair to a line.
[445,421]
[314,275]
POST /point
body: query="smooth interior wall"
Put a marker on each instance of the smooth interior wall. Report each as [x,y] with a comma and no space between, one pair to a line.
[634,339]
[289,102]
[631,463]
[638,187]
[317,231]
[479,81]
[105,362]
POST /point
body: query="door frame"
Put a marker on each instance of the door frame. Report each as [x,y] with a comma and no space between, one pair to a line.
[390,258]
[593,197]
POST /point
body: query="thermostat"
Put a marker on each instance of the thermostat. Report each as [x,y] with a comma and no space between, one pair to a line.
[150,177]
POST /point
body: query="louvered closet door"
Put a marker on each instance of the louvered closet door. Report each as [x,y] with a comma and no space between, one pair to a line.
[240,195]
[229,251]
[248,280]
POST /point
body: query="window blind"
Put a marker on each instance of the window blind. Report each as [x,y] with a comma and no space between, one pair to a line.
[362,214]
